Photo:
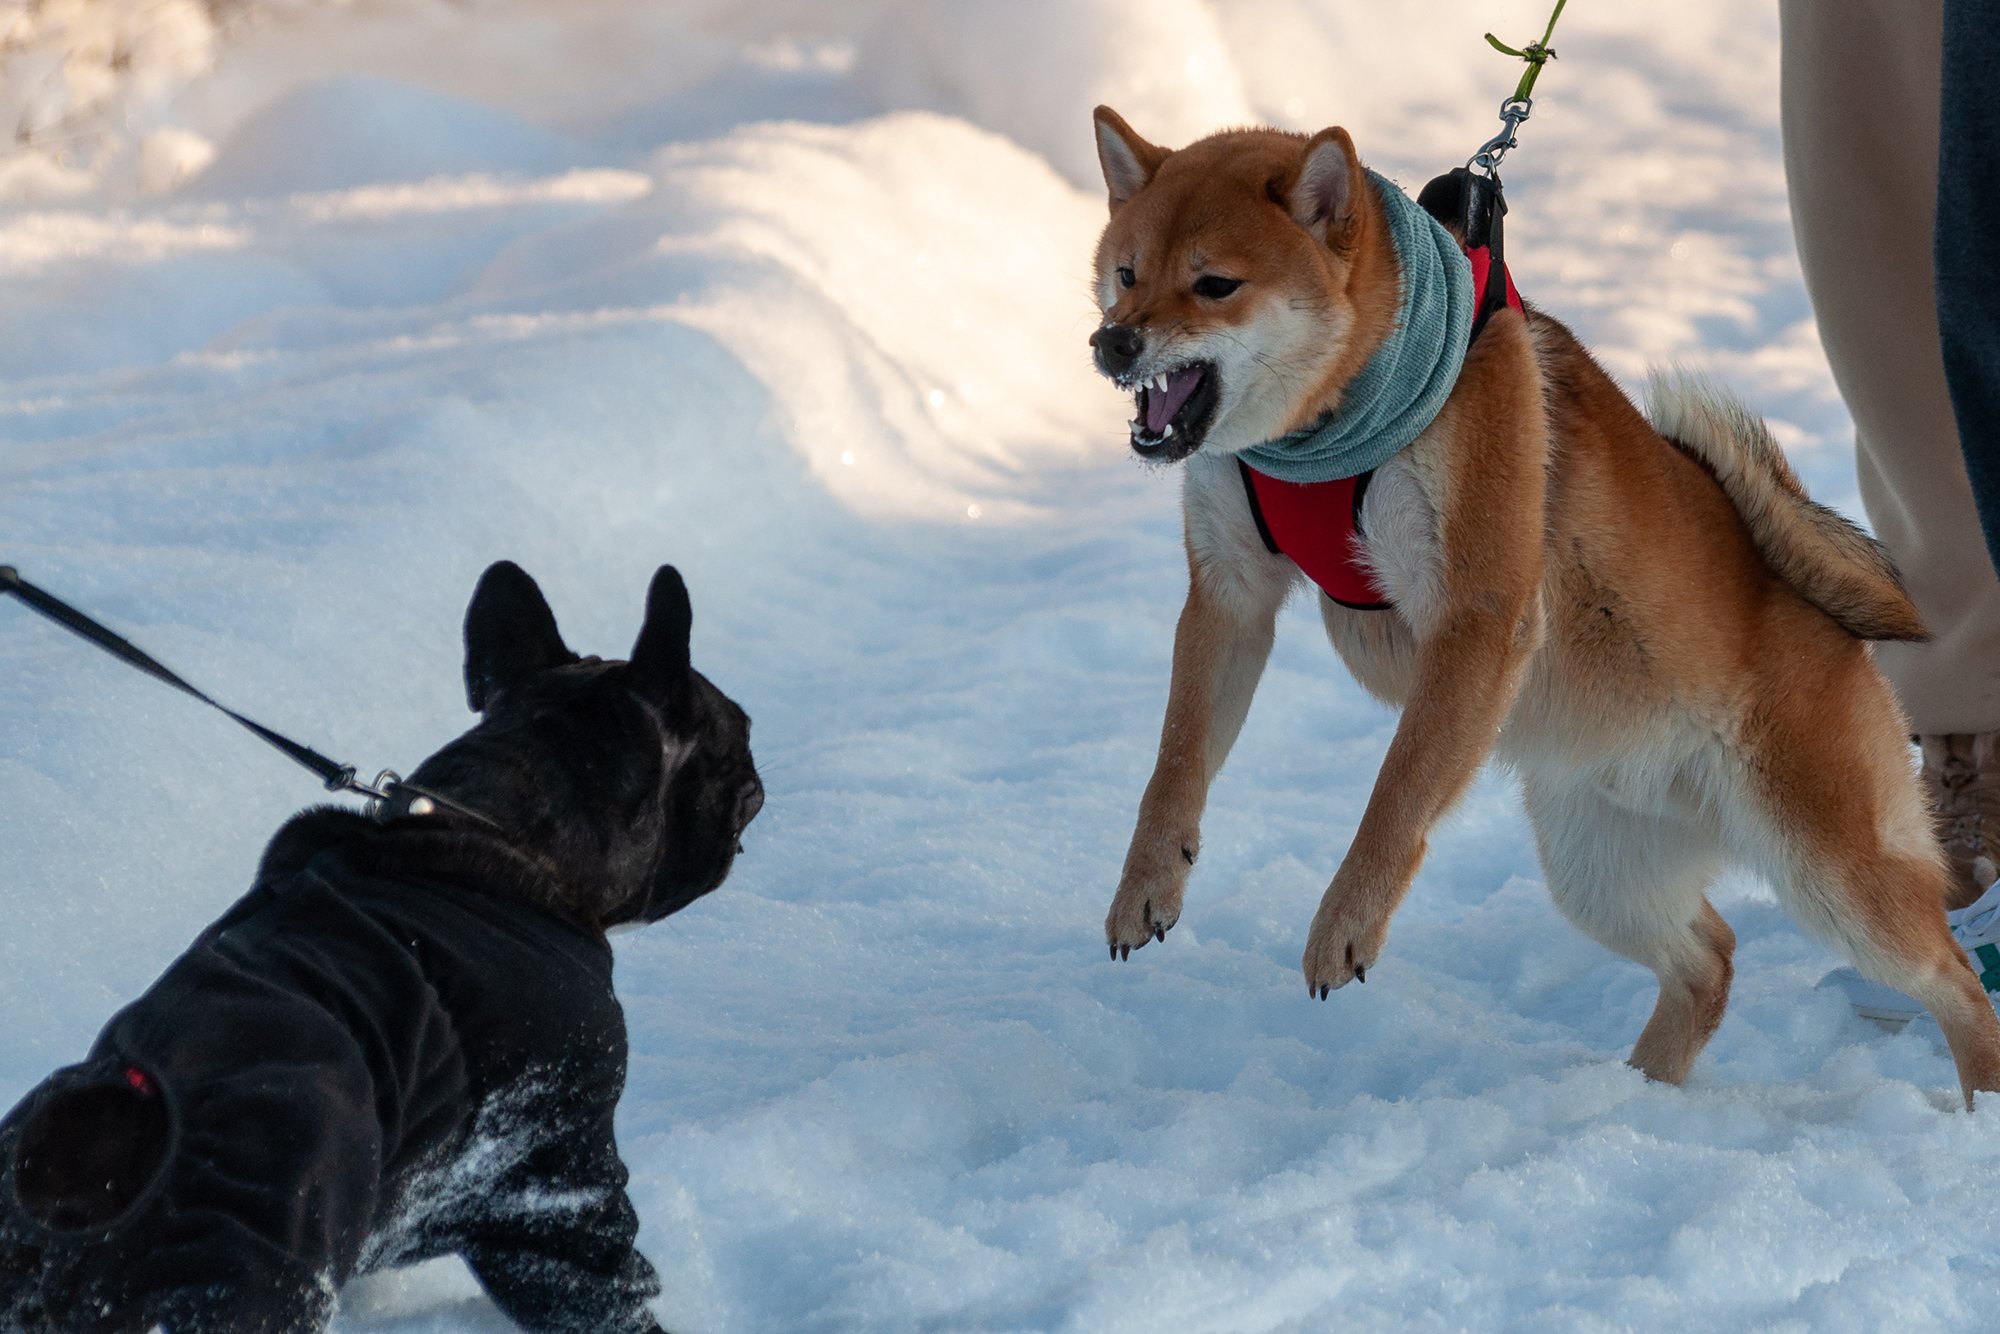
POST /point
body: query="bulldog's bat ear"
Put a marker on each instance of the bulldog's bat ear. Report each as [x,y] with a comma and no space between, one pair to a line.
[1128,161]
[1323,191]
[660,658]
[510,634]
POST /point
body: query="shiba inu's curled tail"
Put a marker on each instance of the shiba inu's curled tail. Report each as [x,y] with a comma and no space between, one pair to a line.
[1833,564]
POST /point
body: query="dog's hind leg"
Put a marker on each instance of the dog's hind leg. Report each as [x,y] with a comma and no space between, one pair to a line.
[1836,821]
[1636,883]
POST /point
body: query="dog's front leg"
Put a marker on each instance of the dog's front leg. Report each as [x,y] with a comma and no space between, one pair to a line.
[1483,466]
[1466,680]
[1220,648]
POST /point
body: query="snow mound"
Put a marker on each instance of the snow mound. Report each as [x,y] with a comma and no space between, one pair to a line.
[361,130]
[920,306]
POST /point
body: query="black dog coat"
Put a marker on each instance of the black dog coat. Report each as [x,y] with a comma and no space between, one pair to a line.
[383,1052]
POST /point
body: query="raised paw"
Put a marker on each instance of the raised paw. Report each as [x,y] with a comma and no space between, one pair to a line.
[1148,902]
[1344,944]
[1137,917]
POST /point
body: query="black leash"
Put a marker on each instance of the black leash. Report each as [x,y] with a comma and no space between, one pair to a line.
[389,796]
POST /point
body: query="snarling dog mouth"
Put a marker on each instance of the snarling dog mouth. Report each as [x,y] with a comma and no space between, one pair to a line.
[1174,411]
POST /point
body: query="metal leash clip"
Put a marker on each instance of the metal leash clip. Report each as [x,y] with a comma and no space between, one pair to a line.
[378,793]
[1515,109]
[390,798]
[1513,112]
[384,798]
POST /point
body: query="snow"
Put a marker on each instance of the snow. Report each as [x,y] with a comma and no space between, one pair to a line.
[795,297]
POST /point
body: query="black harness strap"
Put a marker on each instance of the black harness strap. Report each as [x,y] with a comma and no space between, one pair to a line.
[394,795]
[1257,509]
[1474,204]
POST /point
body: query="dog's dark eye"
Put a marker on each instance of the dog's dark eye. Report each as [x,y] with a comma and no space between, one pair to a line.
[1215,288]
[1126,277]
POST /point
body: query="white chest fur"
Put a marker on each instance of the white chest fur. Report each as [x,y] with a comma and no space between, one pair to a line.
[1400,543]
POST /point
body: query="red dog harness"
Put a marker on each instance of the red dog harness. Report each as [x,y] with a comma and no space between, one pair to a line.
[1318,524]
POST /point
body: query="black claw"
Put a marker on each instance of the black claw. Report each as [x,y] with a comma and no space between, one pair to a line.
[1160,934]
[1114,954]
[1323,989]
[1189,855]
[1124,952]
[1360,972]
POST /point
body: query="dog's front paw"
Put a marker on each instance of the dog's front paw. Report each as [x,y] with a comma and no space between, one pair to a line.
[1346,939]
[1148,902]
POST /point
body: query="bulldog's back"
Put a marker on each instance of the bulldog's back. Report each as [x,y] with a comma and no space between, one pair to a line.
[378,1054]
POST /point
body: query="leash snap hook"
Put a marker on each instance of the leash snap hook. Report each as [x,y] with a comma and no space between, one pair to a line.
[390,798]
[1513,114]
[1515,109]
[379,793]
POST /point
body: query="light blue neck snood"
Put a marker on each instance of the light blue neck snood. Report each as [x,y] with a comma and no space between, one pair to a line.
[1404,385]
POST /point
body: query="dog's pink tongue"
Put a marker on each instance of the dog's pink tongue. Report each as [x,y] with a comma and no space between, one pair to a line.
[1161,407]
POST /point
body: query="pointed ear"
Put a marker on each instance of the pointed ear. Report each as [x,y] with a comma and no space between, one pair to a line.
[510,634]
[1128,161]
[1324,190]
[660,658]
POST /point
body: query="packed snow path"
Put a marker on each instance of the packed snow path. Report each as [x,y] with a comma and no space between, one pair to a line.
[273,425]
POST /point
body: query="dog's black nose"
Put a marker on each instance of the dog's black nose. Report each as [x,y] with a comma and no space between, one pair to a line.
[1118,346]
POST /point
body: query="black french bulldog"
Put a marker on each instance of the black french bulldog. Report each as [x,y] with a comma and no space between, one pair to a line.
[403,1041]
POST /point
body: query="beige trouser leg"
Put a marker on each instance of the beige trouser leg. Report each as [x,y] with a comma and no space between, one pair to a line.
[1860,114]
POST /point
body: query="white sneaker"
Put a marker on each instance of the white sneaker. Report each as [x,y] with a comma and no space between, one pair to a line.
[1975,927]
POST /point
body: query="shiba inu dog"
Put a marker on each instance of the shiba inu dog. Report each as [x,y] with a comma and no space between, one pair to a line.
[1648,620]
[403,1041]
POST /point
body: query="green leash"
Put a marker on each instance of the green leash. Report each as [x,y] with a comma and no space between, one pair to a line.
[1515,109]
[1537,54]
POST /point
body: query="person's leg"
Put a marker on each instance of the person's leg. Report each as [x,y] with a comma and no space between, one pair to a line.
[1860,107]
[1967,244]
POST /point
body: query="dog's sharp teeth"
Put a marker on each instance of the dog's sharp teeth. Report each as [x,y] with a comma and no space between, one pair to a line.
[1168,433]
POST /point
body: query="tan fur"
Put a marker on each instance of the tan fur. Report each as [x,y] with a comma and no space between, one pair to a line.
[1661,637]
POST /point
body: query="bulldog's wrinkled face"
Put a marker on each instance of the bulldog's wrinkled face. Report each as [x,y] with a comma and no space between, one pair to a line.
[632,780]
[1223,281]
[713,795]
